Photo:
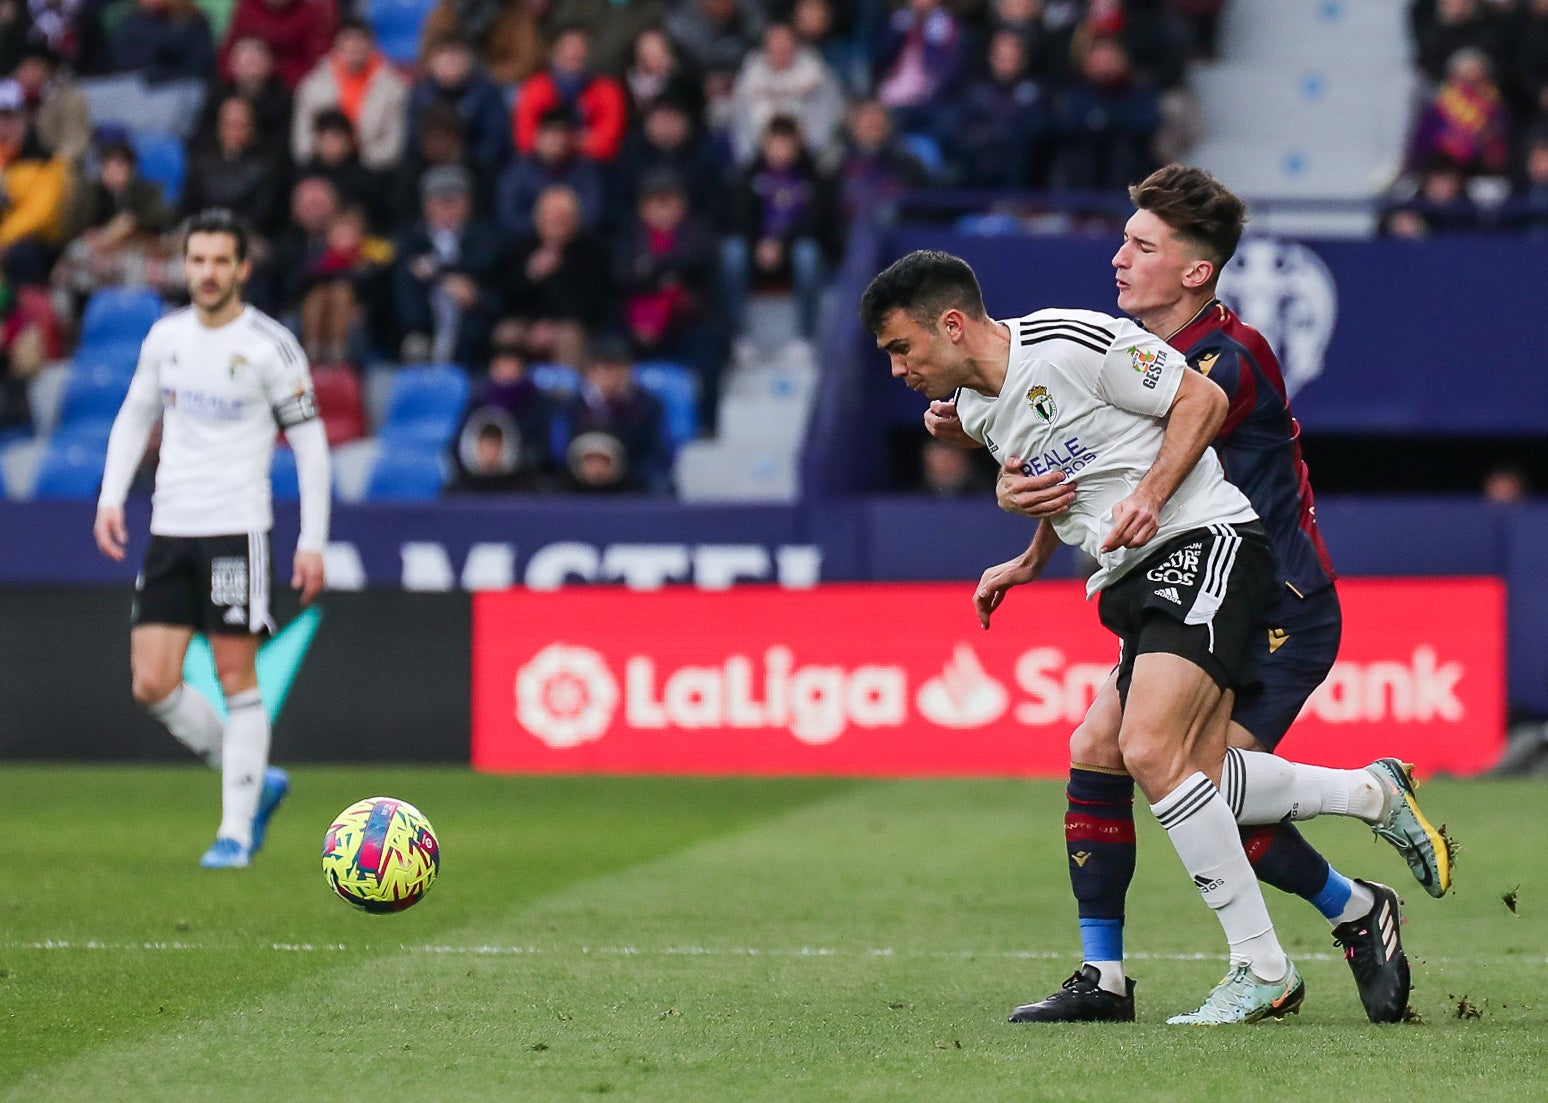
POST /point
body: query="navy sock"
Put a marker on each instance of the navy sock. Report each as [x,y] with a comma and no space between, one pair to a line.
[1099,837]
[1281,856]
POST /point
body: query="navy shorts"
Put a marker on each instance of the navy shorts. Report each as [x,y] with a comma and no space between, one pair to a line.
[1292,655]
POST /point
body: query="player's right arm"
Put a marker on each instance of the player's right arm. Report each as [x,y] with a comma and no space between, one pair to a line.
[998,580]
[126,446]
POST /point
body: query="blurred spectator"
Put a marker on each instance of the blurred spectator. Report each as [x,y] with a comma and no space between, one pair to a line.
[1154,38]
[813,23]
[946,471]
[555,159]
[656,72]
[1442,27]
[1506,485]
[1201,22]
[719,114]
[784,78]
[614,26]
[1047,50]
[665,269]
[614,428]
[439,141]
[60,113]
[556,287]
[715,34]
[1440,206]
[999,128]
[597,99]
[876,169]
[445,267]
[115,227]
[505,34]
[28,340]
[336,159]
[784,214]
[454,76]
[164,41]
[336,283]
[918,59]
[1106,122]
[1467,121]
[1526,211]
[240,171]
[299,34]
[35,190]
[670,138]
[279,278]
[252,76]
[505,440]
[359,81]
[70,29]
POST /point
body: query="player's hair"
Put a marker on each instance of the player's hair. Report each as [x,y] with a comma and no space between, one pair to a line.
[923,284]
[217,220]
[1199,209]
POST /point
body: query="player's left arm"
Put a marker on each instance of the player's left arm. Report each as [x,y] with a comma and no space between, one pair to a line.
[1194,409]
[295,408]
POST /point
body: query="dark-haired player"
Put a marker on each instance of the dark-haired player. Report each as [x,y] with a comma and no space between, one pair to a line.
[220,376]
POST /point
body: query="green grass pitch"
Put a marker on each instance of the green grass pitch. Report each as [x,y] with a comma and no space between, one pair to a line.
[716,940]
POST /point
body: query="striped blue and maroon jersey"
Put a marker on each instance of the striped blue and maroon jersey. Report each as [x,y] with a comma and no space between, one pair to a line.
[1260,442]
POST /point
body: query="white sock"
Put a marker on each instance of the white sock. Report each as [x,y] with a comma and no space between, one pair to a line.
[246,757]
[187,714]
[1112,976]
[1361,901]
[1264,788]
[1202,830]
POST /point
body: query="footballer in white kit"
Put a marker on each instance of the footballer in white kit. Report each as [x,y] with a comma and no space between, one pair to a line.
[1185,567]
[221,377]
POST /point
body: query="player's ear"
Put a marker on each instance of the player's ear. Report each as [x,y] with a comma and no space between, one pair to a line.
[951,324]
[1198,274]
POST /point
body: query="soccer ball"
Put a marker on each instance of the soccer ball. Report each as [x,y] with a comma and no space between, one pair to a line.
[381,854]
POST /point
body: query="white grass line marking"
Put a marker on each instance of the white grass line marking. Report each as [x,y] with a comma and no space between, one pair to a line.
[496,950]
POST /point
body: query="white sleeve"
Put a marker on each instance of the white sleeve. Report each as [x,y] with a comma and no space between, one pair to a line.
[131,430]
[309,440]
[1141,372]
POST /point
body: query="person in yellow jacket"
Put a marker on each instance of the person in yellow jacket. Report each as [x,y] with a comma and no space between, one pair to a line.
[36,188]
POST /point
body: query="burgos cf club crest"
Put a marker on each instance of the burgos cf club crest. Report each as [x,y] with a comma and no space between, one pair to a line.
[238,362]
[1042,404]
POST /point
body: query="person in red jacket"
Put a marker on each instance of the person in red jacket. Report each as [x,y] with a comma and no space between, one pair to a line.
[598,99]
[299,32]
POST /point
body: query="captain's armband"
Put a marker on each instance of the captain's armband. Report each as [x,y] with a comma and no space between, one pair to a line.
[296,409]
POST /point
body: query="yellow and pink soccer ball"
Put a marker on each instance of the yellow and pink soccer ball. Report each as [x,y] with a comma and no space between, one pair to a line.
[381,854]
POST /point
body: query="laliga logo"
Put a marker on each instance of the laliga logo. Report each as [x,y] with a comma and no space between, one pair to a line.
[963,695]
[1285,291]
[566,695]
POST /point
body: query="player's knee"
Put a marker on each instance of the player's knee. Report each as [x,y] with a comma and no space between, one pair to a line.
[153,687]
[1150,760]
[1092,746]
[236,679]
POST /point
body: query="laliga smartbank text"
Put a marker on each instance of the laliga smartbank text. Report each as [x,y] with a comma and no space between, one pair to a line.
[894,679]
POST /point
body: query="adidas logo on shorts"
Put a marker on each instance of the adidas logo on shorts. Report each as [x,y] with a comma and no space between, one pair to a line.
[1170,593]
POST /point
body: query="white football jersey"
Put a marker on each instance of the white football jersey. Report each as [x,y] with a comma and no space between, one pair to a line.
[1087,394]
[224,394]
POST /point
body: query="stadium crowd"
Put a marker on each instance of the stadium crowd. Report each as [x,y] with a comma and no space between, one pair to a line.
[580,182]
[1477,157]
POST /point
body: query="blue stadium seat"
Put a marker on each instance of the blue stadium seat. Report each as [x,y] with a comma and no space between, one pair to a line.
[118,317]
[71,471]
[559,380]
[424,407]
[91,400]
[117,358]
[678,389]
[927,151]
[396,24]
[162,161]
[405,474]
[282,476]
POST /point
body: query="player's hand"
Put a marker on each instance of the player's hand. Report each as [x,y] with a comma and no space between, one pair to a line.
[996,582]
[941,422]
[112,537]
[308,575]
[1136,520]
[1036,496]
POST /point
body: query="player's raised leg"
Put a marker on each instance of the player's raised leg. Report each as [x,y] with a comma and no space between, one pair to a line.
[156,653]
